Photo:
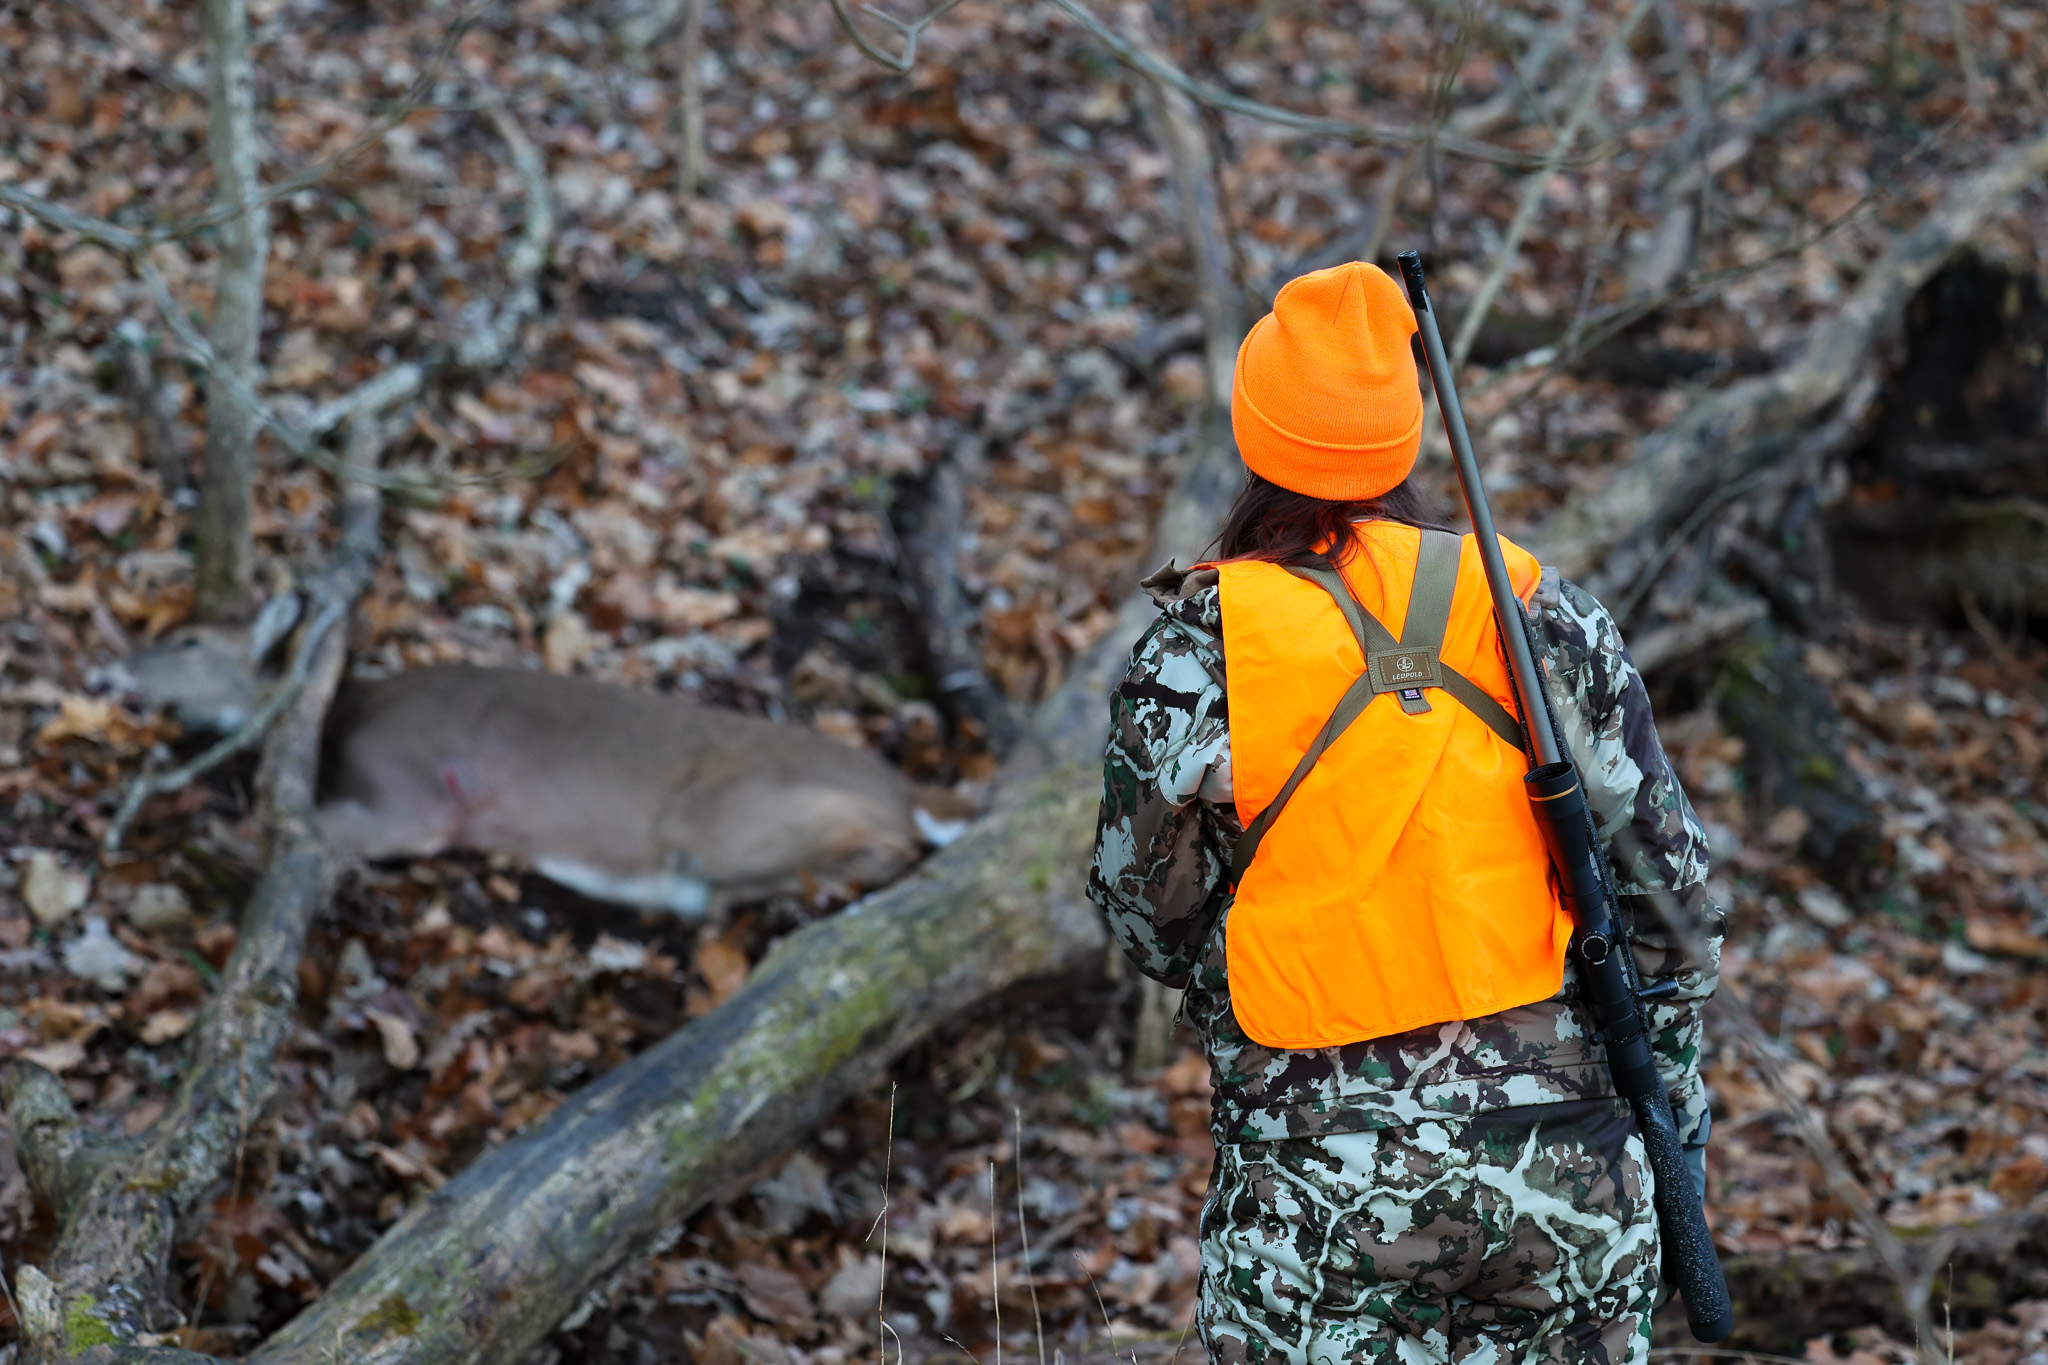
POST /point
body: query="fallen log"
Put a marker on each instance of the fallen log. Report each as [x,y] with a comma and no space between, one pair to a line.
[120,1202]
[1785,1299]
[487,1265]
[1604,540]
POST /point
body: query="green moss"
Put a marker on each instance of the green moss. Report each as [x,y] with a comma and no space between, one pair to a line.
[1820,770]
[157,1182]
[393,1317]
[85,1329]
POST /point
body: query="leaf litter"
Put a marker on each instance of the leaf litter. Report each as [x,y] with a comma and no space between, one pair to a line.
[688,484]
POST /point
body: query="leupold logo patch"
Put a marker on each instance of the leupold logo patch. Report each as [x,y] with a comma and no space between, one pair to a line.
[1404,668]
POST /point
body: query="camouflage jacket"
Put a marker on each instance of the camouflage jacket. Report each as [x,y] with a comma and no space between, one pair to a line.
[1161,874]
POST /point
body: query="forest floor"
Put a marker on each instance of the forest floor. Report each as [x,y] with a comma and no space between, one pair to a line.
[688,484]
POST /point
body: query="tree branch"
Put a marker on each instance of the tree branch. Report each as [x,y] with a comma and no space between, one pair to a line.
[911,31]
[1314,125]
[1539,184]
[120,1204]
[1606,538]
[250,733]
[690,160]
[69,220]
[925,532]
[488,346]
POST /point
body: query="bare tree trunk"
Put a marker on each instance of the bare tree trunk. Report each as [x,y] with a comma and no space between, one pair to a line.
[690,98]
[226,554]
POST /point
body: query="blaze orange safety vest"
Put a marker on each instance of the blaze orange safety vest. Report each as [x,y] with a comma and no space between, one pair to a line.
[1399,879]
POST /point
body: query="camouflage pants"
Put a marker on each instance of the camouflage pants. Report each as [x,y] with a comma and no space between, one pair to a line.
[1511,1238]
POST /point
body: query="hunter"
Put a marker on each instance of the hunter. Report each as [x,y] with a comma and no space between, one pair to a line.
[1419,1151]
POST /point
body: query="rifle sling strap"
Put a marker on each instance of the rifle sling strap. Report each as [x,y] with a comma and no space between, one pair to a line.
[1404,667]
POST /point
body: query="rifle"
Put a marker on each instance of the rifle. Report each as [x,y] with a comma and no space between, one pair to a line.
[1606,963]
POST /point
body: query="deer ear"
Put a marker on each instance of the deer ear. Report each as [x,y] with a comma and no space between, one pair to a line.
[273,624]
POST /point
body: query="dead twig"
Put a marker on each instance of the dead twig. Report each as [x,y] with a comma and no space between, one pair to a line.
[379,393]
[1313,125]
[486,347]
[251,732]
[1539,183]
[911,31]
[70,220]
[1024,1231]
[121,1202]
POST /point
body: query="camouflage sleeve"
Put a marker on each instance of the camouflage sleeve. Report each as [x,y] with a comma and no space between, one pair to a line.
[1162,845]
[1655,842]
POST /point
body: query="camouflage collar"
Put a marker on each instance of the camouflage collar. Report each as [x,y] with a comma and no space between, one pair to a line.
[1169,584]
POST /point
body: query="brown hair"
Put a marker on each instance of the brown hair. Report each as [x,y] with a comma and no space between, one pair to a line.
[1281,526]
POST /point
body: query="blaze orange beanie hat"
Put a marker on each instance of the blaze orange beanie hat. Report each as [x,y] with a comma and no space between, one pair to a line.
[1326,400]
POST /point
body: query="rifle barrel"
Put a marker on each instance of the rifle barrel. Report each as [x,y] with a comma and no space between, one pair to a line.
[1520,662]
[1606,968]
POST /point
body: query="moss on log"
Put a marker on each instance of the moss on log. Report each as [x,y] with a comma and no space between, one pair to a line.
[488,1264]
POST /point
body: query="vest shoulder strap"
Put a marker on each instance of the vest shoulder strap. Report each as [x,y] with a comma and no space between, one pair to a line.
[1403,667]
[1429,600]
[1349,707]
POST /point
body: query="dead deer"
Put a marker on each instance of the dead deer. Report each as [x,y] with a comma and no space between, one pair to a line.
[624,796]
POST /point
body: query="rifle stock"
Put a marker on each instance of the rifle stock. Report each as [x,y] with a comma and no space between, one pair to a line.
[1606,965]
